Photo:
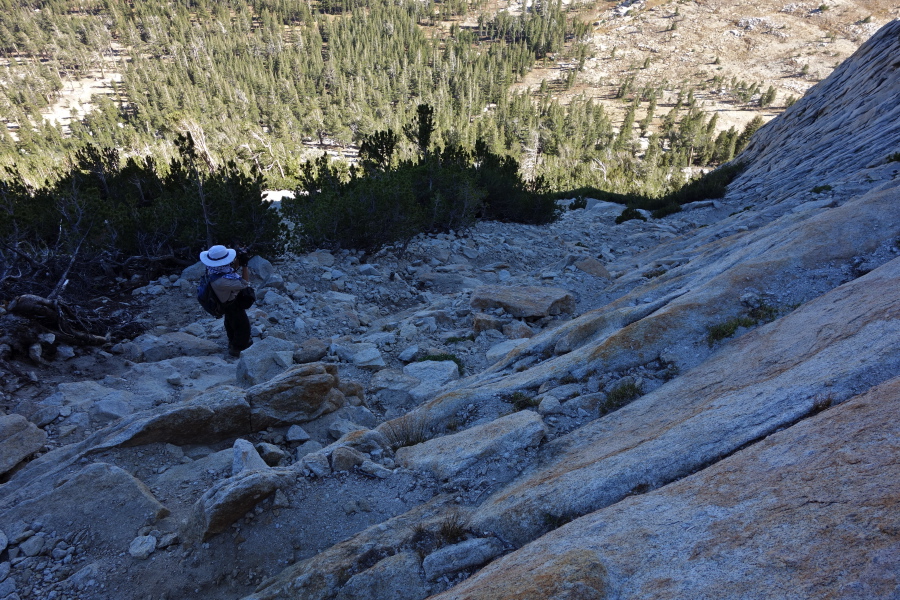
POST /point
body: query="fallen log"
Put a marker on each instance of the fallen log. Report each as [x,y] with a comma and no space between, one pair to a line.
[54,314]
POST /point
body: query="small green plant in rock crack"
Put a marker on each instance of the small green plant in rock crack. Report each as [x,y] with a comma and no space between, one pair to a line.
[620,396]
[521,401]
[763,312]
[727,329]
[452,530]
[408,430]
[822,188]
[442,357]
[895,157]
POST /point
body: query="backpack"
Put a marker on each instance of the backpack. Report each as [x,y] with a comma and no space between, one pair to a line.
[207,297]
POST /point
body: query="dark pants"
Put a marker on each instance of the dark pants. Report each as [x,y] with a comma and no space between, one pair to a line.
[237,327]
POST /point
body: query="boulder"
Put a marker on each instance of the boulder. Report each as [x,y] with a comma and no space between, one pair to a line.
[396,577]
[470,553]
[261,268]
[524,302]
[18,440]
[517,330]
[142,547]
[484,322]
[296,434]
[300,394]
[344,459]
[737,524]
[450,455]
[170,345]
[245,457]
[260,362]
[393,379]
[229,500]
[433,375]
[498,351]
[310,350]
[100,497]
[592,266]
[220,413]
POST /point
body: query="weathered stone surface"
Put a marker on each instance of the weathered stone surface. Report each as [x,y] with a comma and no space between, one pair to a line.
[470,553]
[101,497]
[767,519]
[142,547]
[769,378]
[245,457]
[396,577]
[229,500]
[344,459]
[517,330]
[170,345]
[310,350]
[295,433]
[320,575]
[433,375]
[592,266]
[300,394]
[449,455]
[33,545]
[484,322]
[260,361]
[210,417]
[316,463]
[524,302]
[392,379]
[18,440]
[498,351]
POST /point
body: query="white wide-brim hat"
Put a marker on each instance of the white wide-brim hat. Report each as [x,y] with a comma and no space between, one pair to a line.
[218,256]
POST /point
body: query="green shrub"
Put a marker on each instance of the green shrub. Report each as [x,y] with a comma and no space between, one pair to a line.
[821,188]
[453,339]
[628,214]
[408,430]
[621,395]
[727,329]
[895,157]
[389,203]
[578,203]
[521,401]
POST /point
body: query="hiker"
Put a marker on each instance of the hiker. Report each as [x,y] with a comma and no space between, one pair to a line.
[233,291]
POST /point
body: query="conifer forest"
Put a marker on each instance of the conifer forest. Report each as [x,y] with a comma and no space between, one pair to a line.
[386,117]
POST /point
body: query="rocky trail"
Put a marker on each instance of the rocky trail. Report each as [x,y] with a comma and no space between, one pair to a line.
[658,409]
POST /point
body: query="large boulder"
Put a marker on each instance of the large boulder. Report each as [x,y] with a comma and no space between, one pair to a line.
[811,508]
[18,439]
[100,497]
[218,414]
[229,500]
[264,360]
[433,375]
[450,455]
[300,394]
[396,577]
[524,302]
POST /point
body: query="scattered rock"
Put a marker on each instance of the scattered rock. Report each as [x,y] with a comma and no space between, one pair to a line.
[142,547]
[229,500]
[19,439]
